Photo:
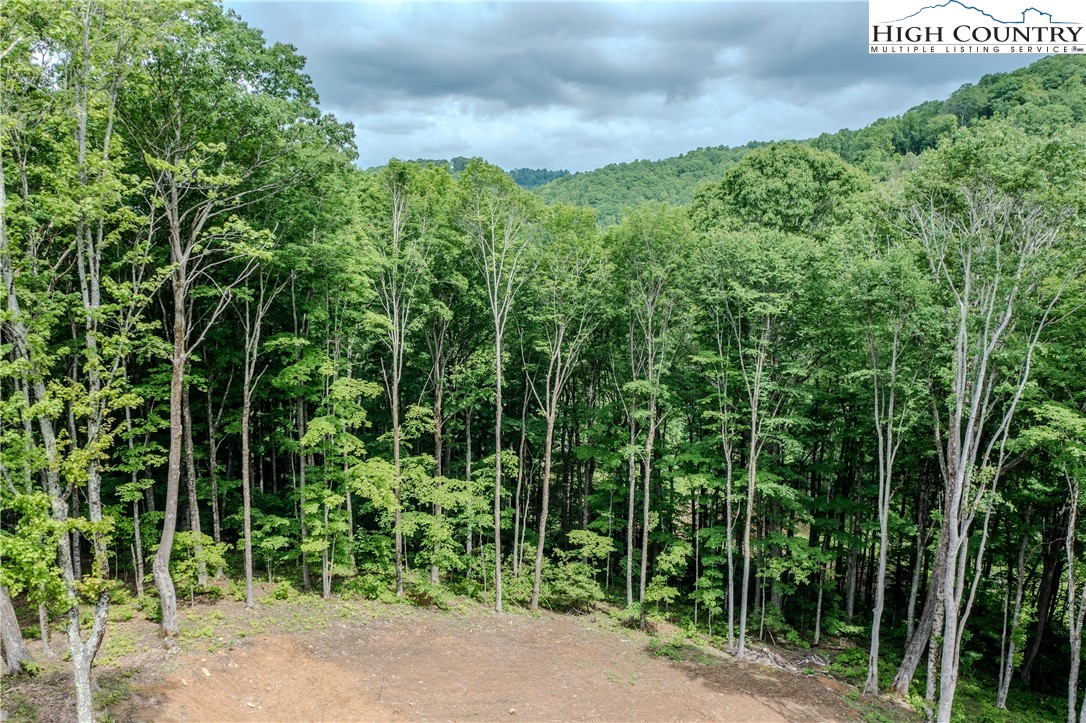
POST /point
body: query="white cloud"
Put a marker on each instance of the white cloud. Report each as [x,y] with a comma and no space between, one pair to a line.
[578,86]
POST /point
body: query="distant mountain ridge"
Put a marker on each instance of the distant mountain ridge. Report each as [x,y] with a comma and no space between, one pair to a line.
[1043,97]
[527,178]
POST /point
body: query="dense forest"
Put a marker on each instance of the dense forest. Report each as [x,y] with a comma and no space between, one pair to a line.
[836,392]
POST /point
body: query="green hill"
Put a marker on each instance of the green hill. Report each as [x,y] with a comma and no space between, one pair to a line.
[1043,97]
[612,189]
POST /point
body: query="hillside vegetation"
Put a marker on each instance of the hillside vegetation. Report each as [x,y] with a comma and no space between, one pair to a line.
[811,396]
[1041,98]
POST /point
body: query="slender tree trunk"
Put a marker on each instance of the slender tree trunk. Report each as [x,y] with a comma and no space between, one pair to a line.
[914,649]
[914,587]
[439,471]
[520,482]
[752,477]
[15,651]
[1075,619]
[467,476]
[1006,670]
[632,494]
[326,568]
[213,469]
[167,595]
[544,508]
[43,627]
[190,486]
[246,486]
[645,489]
[300,423]
[498,471]
[395,398]
[138,541]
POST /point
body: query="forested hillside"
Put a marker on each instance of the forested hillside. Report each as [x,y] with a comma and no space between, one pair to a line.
[836,400]
[1041,98]
[523,177]
[613,189]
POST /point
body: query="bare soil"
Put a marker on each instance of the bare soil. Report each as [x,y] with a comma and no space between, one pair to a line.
[312,660]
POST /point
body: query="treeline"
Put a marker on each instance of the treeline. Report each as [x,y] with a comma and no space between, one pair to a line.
[814,403]
[1042,98]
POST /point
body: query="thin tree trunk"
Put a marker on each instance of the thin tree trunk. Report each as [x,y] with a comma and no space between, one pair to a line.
[300,423]
[16,654]
[213,468]
[498,471]
[632,484]
[246,484]
[520,482]
[544,508]
[1006,670]
[645,489]
[752,477]
[914,649]
[138,541]
[190,485]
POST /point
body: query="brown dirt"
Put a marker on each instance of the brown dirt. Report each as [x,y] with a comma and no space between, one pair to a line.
[342,661]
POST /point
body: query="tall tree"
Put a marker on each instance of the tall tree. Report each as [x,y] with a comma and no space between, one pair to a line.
[499,218]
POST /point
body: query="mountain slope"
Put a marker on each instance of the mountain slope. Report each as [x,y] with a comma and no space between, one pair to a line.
[1043,97]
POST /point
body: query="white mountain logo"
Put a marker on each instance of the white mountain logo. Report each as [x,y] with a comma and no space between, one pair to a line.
[1028,16]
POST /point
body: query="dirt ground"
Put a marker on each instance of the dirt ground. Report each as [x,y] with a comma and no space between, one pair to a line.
[305,659]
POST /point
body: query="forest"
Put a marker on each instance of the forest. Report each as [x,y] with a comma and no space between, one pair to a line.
[836,391]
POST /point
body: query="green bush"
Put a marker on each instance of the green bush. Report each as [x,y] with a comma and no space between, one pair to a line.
[424,594]
[571,586]
[370,587]
[851,664]
[149,606]
[282,591]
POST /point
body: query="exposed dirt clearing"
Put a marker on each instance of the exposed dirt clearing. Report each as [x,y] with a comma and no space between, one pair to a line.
[477,666]
[306,659]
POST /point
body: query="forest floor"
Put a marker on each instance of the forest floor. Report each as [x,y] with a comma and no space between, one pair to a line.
[307,659]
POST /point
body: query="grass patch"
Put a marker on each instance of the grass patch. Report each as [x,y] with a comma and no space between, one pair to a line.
[677,648]
[17,708]
[112,690]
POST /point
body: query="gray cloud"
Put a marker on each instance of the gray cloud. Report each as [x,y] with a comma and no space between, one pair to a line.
[581,85]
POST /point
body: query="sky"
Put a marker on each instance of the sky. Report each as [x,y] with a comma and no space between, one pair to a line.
[577,86]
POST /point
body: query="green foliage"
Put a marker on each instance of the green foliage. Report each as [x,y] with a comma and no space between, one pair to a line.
[615,188]
[186,560]
[283,590]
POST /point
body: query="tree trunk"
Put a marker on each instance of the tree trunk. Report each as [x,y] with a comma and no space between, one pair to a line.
[752,477]
[213,469]
[300,423]
[167,595]
[498,472]
[544,508]
[520,482]
[1006,670]
[395,399]
[914,649]
[632,482]
[190,485]
[15,652]
[246,486]
[645,489]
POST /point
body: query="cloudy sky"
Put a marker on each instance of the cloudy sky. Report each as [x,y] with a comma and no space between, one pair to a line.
[581,85]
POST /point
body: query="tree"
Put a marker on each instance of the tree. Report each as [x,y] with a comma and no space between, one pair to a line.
[992,255]
[652,244]
[499,219]
[204,168]
[572,272]
[402,245]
